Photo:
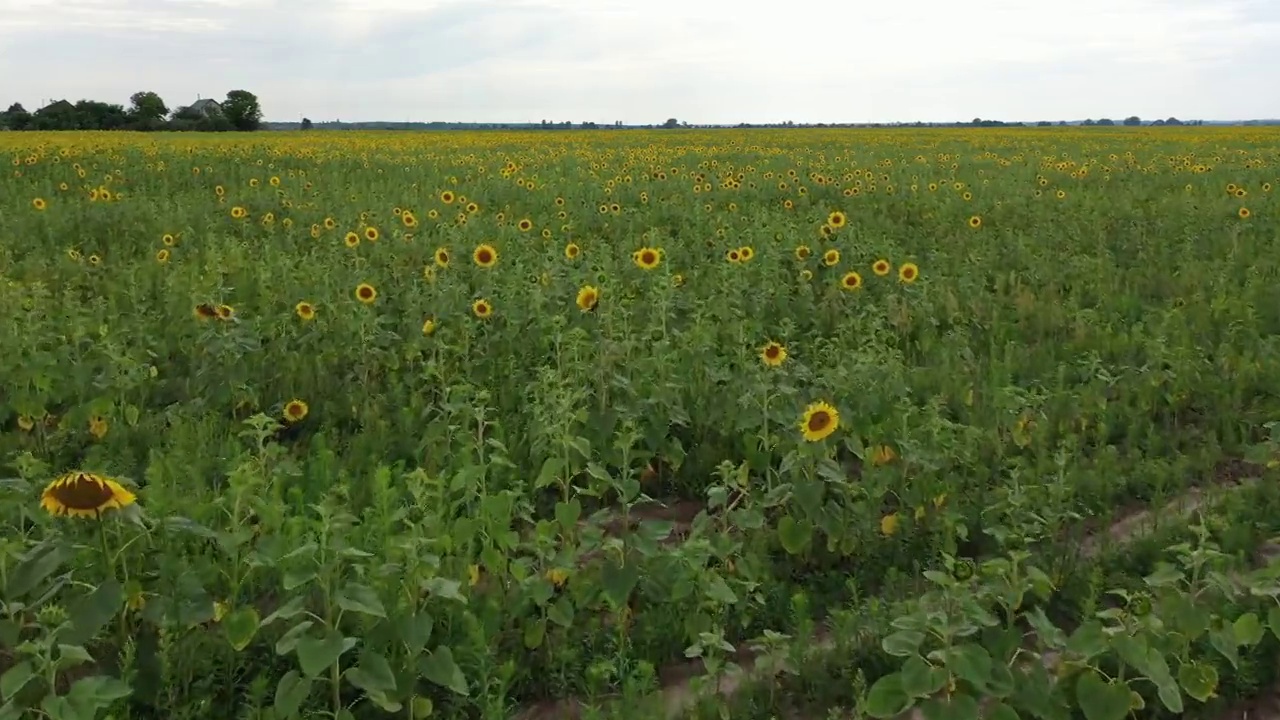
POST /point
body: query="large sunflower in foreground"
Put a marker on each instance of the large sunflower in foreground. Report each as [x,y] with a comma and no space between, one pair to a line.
[588,298]
[820,420]
[81,494]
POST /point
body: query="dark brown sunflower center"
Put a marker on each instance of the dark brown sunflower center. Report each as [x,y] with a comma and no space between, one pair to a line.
[819,421]
[366,292]
[772,352]
[647,258]
[83,492]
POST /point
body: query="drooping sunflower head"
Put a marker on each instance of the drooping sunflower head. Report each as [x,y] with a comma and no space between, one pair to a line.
[205,311]
[485,255]
[226,312]
[588,298]
[773,354]
[819,421]
[366,293]
[87,495]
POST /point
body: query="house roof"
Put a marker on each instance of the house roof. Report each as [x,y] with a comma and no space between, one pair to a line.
[204,103]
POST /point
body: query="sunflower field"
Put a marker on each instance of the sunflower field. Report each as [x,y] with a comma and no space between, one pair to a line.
[674,424]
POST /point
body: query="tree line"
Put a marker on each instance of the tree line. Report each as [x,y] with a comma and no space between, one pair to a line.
[147,111]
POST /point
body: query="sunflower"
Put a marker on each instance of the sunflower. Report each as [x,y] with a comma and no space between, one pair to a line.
[975,222]
[351,239]
[98,427]
[831,257]
[525,225]
[588,298]
[677,280]
[442,257]
[95,259]
[472,208]
[162,256]
[881,267]
[733,256]
[908,273]
[295,411]
[366,293]
[803,252]
[371,234]
[330,223]
[482,308]
[746,253]
[1243,213]
[305,310]
[773,354]
[647,258]
[39,204]
[820,420]
[428,326]
[168,239]
[806,275]
[205,311]
[408,220]
[447,197]
[837,220]
[851,281]
[485,255]
[226,312]
[81,494]
[572,251]
[238,212]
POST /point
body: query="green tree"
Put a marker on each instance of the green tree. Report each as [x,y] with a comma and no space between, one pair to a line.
[1133,121]
[306,123]
[15,118]
[147,110]
[242,109]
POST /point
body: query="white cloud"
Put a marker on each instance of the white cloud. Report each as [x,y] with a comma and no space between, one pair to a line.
[646,60]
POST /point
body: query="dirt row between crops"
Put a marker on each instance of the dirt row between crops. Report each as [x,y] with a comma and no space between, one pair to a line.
[676,679]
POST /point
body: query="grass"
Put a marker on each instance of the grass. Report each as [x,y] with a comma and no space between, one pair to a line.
[355,495]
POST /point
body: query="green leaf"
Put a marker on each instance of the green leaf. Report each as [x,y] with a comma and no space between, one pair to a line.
[1273,620]
[90,695]
[1199,680]
[439,668]
[561,612]
[1164,576]
[1000,711]
[444,588]
[241,626]
[36,566]
[70,656]
[1248,629]
[1088,640]
[422,706]
[91,613]
[1223,640]
[315,655]
[287,611]
[355,597]
[794,535]
[971,663]
[719,590]
[289,641]
[535,631]
[372,674]
[886,698]
[920,679]
[1169,695]
[568,514]
[956,707]
[415,631]
[618,580]
[291,692]
[1100,700]
[902,643]
[16,678]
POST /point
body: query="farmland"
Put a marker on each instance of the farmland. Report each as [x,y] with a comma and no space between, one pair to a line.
[489,425]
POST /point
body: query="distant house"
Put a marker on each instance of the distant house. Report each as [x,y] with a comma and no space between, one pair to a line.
[57,107]
[205,107]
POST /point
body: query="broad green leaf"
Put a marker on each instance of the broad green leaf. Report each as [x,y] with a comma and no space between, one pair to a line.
[16,678]
[535,631]
[1164,576]
[444,588]
[240,626]
[886,698]
[971,663]
[1170,696]
[794,535]
[561,612]
[1223,640]
[1000,711]
[36,566]
[91,613]
[618,580]
[355,597]
[1088,640]
[1248,629]
[956,707]
[315,655]
[902,643]
[415,631]
[70,656]
[372,672]
[1101,700]
[439,668]
[920,679]
[1273,620]
[291,692]
[288,611]
[718,590]
[1199,680]
[568,514]
[289,641]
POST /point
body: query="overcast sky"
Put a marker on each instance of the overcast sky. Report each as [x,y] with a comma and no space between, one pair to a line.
[642,61]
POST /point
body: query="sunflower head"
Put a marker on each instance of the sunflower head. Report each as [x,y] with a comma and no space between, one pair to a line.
[305,310]
[351,239]
[975,222]
[647,258]
[481,308]
[485,255]
[803,252]
[908,273]
[746,253]
[819,421]
[295,411]
[572,251]
[371,234]
[773,354]
[87,495]
[366,293]
[226,312]
[881,267]
[442,257]
[429,326]
[831,257]
[588,298]
[837,220]
[851,281]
